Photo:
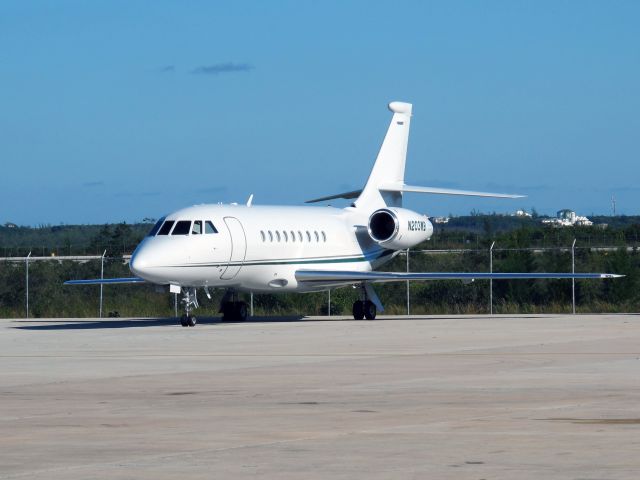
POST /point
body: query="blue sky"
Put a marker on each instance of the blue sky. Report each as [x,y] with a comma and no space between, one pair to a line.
[120,110]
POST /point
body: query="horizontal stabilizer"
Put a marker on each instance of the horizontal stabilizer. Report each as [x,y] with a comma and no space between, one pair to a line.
[105,281]
[339,276]
[417,189]
[347,195]
[444,191]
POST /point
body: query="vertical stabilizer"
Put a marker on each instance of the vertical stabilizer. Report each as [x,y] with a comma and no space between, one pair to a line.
[389,166]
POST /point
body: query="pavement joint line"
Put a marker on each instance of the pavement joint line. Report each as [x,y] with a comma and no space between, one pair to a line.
[330,355]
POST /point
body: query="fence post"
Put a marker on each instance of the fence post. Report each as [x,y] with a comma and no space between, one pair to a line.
[408,295]
[573,279]
[175,304]
[329,303]
[27,283]
[101,278]
[491,279]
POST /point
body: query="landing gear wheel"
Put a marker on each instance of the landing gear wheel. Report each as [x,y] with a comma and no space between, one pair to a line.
[234,312]
[240,312]
[227,311]
[184,321]
[370,310]
[358,310]
[191,321]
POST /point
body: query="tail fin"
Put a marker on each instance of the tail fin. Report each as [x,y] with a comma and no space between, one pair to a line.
[389,166]
[385,185]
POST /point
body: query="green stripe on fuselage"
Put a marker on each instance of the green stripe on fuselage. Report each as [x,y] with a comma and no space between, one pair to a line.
[360,258]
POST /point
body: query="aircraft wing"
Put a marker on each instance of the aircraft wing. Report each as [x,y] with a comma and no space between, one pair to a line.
[345,277]
[105,281]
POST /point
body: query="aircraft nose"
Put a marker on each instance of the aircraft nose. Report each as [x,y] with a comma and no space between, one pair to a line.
[139,262]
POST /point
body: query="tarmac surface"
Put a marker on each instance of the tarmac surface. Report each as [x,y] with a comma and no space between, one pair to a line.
[442,397]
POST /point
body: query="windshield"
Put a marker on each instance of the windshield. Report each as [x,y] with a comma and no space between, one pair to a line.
[182,228]
[166,228]
[156,227]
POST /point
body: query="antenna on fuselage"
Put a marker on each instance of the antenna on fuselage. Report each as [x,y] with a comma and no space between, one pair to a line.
[250,201]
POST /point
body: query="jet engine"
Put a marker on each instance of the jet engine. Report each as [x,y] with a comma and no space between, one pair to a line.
[398,228]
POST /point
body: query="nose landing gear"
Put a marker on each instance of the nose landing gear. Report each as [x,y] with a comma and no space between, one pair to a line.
[188,320]
[190,300]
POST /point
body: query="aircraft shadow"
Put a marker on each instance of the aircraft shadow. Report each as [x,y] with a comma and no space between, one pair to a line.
[115,323]
[90,324]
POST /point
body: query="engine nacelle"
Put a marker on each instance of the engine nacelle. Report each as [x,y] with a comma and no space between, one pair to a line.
[399,228]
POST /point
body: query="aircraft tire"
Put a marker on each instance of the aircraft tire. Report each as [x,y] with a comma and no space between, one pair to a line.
[227,312]
[184,321]
[358,310]
[191,321]
[370,310]
[240,312]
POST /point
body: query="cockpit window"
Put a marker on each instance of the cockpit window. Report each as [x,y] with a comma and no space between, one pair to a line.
[166,228]
[182,228]
[209,227]
[156,227]
[197,227]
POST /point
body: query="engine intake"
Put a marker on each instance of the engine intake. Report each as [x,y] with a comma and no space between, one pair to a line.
[398,228]
[383,225]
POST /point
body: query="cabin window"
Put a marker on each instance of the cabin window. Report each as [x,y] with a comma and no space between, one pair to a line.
[197,227]
[308,236]
[286,237]
[300,235]
[278,235]
[262,235]
[182,228]
[293,236]
[209,227]
[324,236]
[166,228]
[317,236]
[156,227]
[270,236]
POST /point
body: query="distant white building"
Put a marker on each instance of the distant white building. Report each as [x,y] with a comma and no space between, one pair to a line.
[568,218]
[521,213]
[440,219]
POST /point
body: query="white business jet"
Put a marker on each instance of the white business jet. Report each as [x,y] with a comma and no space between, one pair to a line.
[269,249]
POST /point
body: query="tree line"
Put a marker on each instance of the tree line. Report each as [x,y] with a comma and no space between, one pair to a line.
[522,249]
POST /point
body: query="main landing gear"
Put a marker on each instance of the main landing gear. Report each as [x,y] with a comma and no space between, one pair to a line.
[233,310]
[190,300]
[364,308]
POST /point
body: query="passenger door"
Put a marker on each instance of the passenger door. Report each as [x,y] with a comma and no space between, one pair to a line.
[238,248]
